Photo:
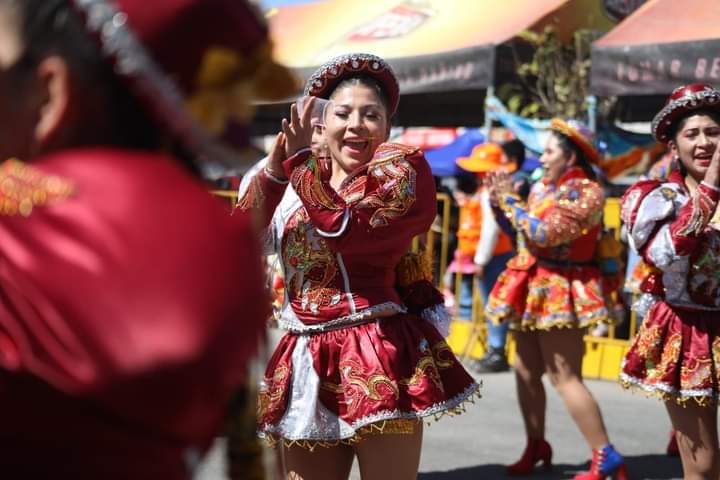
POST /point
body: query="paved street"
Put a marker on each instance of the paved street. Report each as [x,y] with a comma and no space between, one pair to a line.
[477,444]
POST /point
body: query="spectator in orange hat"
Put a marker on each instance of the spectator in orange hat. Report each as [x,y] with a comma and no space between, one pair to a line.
[489,246]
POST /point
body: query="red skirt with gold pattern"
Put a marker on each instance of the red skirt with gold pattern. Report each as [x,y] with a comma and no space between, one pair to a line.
[676,355]
[326,388]
[546,297]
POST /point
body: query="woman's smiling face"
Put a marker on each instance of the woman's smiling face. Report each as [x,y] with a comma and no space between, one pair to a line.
[695,142]
[356,124]
[554,160]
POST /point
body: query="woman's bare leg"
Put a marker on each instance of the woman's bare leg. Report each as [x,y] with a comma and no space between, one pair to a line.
[332,463]
[697,437]
[529,369]
[562,351]
[391,455]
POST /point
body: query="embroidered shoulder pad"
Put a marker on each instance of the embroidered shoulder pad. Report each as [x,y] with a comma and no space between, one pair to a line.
[391,151]
[632,198]
[23,188]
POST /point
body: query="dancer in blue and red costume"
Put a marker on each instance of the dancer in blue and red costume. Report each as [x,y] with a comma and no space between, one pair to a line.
[673,225]
[551,291]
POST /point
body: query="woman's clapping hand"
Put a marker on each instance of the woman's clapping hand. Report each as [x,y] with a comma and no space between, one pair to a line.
[498,184]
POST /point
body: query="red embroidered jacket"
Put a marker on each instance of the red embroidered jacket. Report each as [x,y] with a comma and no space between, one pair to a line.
[339,249]
[130,302]
[670,228]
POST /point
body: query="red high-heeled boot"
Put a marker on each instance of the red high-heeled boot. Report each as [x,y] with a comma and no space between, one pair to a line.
[537,450]
[606,462]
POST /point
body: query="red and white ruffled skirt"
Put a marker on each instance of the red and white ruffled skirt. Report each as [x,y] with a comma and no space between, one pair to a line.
[676,355]
[330,387]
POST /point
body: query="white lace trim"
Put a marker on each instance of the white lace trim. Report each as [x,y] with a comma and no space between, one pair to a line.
[289,321]
[438,316]
[666,388]
[281,429]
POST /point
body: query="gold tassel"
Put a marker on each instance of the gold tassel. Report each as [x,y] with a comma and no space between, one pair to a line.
[413,267]
[228,83]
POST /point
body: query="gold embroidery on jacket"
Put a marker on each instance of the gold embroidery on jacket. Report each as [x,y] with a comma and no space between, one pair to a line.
[395,193]
[22,188]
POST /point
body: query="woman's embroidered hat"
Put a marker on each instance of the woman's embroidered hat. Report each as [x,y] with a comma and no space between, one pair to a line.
[485,158]
[579,134]
[685,99]
[196,64]
[326,78]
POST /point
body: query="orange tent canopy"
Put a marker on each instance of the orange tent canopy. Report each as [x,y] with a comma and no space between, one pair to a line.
[434,45]
[664,44]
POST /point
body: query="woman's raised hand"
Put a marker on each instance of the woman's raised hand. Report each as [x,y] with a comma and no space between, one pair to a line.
[298,131]
[712,175]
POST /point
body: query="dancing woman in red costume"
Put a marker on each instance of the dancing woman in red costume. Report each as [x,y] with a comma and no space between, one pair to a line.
[674,226]
[551,291]
[359,366]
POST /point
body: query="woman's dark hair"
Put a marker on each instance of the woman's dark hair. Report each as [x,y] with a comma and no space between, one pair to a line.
[369,82]
[52,27]
[678,124]
[515,150]
[467,183]
[569,147]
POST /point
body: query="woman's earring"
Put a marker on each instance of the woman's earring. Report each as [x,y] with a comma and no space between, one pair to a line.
[325,152]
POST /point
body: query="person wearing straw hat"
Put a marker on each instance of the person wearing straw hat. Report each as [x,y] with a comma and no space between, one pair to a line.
[551,292]
[483,249]
[673,224]
[131,300]
[363,360]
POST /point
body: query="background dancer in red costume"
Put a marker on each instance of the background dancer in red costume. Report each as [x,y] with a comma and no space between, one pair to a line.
[673,224]
[551,292]
[359,367]
[129,300]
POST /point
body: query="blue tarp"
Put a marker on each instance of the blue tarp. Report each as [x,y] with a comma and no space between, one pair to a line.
[442,159]
[615,142]
[533,133]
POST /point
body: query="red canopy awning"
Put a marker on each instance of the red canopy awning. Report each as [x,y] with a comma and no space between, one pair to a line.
[664,44]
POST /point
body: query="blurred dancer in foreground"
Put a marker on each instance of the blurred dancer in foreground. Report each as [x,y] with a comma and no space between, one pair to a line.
[130,299]
[551,292]
[361,365]
[673,225]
